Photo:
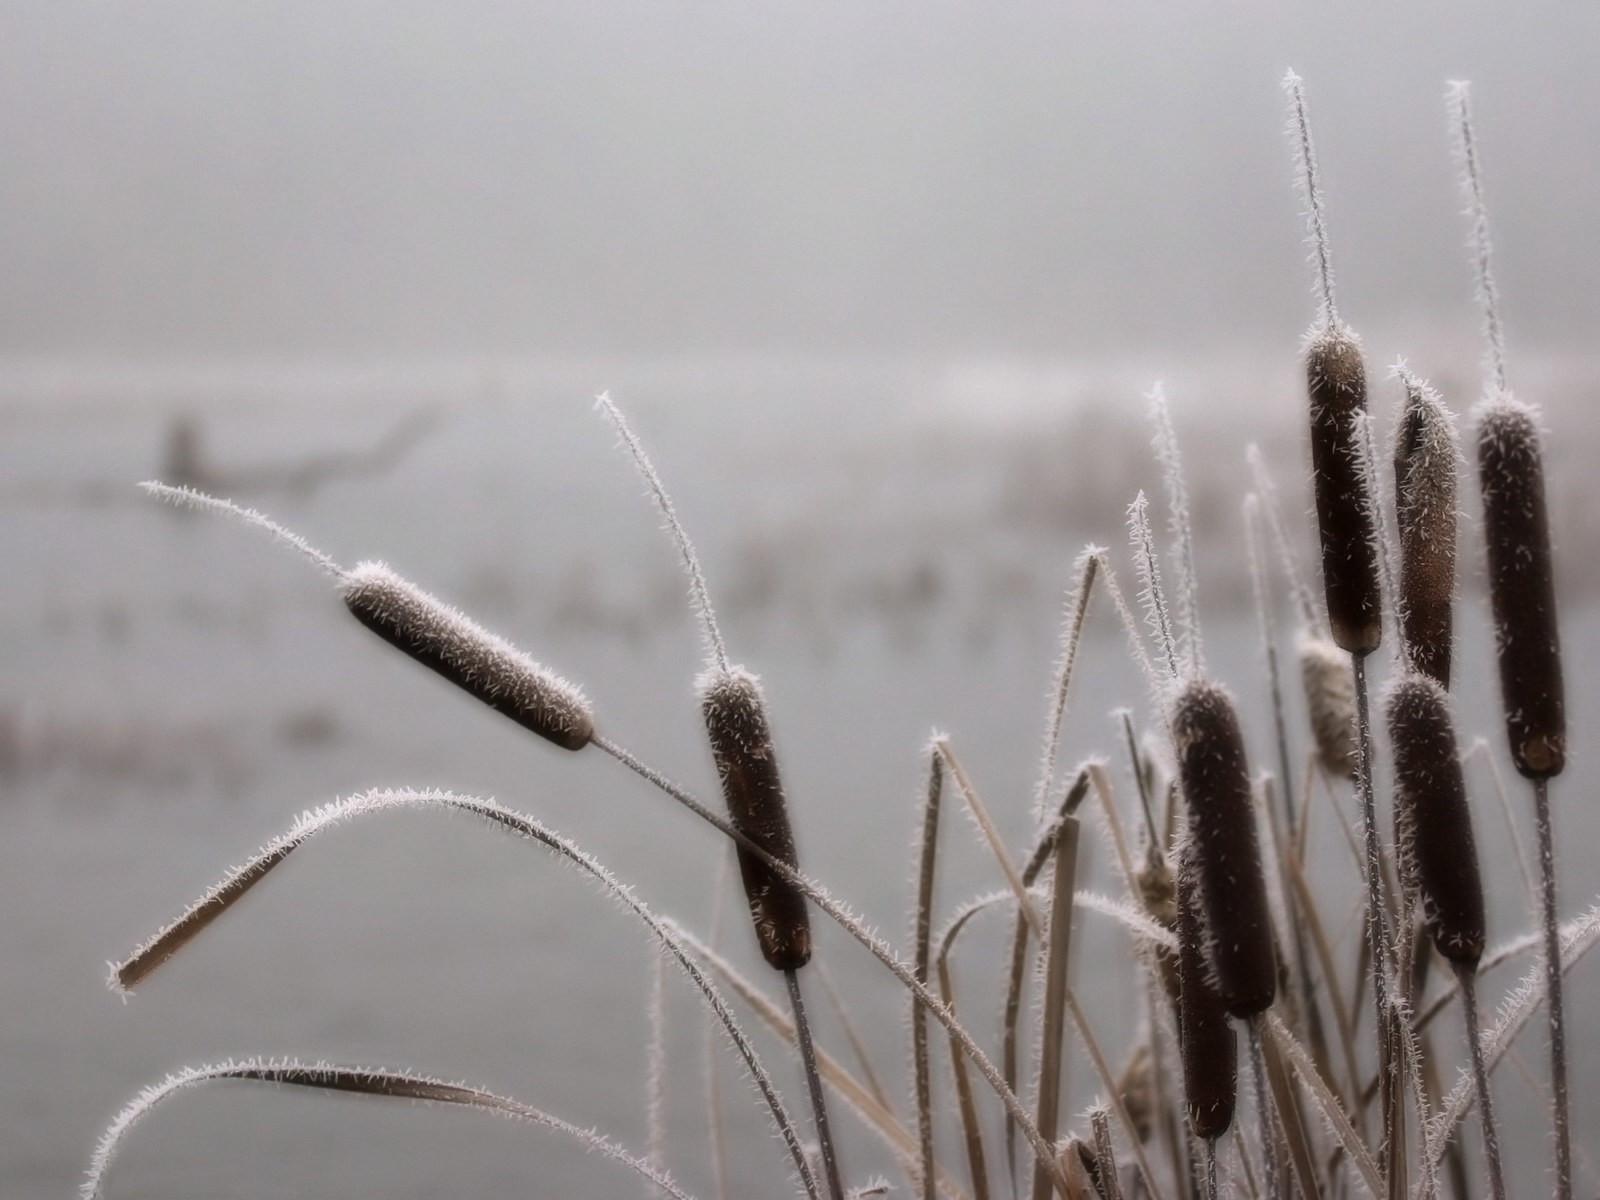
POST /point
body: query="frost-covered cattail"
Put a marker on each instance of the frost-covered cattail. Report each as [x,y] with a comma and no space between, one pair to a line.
[469,656]
[1337,384]
[1516,532]
[1205,1032]
[1215,778]
[1438,856]
[741,743]
[1330,690]
[1425,462]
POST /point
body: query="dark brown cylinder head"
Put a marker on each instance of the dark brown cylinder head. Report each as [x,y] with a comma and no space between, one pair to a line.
[1337,383]
[1425,465]
[469,656]
[1437,854]
[1516,532]
[1215,778]
[1205,1032]
[741,744]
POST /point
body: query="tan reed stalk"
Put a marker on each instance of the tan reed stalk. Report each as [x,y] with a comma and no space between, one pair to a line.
[1105,1156]
[1084,573]
[1052,1021]
[363,1081]
[921,931]
[1170,459]
[1426,456]
[1522,598]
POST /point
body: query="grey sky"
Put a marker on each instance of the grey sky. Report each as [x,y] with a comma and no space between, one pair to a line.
[314,178]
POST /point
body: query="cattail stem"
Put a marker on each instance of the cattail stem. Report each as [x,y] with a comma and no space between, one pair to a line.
[1381,952]
[1552,960]
[1467,978]
[1211,1168]
[1272,1169]
[819,1104]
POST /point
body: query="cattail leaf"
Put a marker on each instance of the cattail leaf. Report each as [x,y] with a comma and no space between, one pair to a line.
[741,744]
[1437,854]
[1215,777]
[1337,383]
[469,656]
[1516,529]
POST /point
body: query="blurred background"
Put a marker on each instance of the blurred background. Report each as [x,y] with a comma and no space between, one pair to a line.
[882,286]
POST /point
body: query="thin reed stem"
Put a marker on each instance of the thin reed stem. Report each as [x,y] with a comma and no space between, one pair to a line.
[922,929]
[1552,959]
[188,497]
[1459,97]
[1311,186]
[1271,1167]
[1170,459]
[1380,950]
[691,562]
[1211,1168]
[1467,980]
[1151,593]
[819,1104]
[870,941]
[1077,609]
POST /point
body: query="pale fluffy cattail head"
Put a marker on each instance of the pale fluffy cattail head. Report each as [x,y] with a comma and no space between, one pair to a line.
[741,744]
[1516,532]
[1205,1033]
[1438,856]
[1330,690]
[1426,455]
[1337,384]
[469,656]
[1215,777]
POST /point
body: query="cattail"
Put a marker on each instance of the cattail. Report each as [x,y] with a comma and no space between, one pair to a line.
[1206,1038]
[468,655]
[1438,857]
[1330,689]
[741,743]
[1425,457]
[1337,384]
[1521,588]
[1215,778]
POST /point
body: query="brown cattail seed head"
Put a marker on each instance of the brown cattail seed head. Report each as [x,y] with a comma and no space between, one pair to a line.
[1215,779]
[1438,857]
[741,744]
[1205,1034]
[468,655]
[1516,531]
[1425,458]
[1338,388]
[1330,687]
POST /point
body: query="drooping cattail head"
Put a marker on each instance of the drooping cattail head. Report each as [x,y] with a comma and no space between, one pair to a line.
[1215,778]
[1437,855]
[1516,531]
[468,655]
[741,744]
[1205,1034]
[1425,458]
[1330,688]
[1337,383]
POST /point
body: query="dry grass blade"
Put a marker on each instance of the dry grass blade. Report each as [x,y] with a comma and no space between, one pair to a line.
[1333,1113]
[980,815]
[971,1128]
[1077,611]
[1052,1019]
[238,883]
[1105,1155]
[360,1080]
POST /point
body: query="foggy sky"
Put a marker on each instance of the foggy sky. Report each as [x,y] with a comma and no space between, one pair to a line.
[312,178]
